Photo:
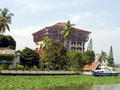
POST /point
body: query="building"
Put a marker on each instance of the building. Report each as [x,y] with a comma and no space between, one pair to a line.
[77,42]
[88,68]
[15,61]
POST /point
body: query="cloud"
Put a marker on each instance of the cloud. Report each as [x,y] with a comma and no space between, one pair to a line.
[36,5]
[89,18]
[23,37]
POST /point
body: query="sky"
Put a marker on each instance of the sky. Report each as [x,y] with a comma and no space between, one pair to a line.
[101,17]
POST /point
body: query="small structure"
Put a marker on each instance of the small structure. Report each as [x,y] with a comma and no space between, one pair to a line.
[15,61]
[88,68]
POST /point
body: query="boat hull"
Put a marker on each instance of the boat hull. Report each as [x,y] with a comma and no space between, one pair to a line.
[104,74]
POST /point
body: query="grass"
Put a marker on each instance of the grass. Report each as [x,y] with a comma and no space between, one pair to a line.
[25,82]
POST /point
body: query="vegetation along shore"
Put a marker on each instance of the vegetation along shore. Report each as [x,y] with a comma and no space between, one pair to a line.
[36,82]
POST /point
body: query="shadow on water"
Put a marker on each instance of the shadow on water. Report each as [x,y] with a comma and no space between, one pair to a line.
[86,87]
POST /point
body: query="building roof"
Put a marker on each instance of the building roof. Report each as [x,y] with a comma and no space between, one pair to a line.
[1,48]
[59,25]
[90,66]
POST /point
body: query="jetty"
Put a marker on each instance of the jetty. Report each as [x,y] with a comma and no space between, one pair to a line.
[20,72]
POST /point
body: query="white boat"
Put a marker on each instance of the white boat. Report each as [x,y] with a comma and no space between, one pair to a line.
[105,71]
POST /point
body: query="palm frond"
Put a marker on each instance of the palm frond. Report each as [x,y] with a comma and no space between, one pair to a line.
[5,20]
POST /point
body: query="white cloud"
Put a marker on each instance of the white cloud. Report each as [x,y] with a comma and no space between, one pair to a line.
[36,5]
[23,37]
[89,18]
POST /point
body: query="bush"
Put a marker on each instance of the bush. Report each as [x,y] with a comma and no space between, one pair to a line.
[7,57]
[35,68]
[5,66]
[26,68]
[72,69]
[29,57]
[10,67]
[20,67]
[1,68]
[46,69]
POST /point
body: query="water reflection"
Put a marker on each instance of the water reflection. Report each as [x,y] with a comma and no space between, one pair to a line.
[87,87]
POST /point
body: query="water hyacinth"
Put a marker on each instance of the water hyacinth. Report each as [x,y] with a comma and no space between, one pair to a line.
[37,82]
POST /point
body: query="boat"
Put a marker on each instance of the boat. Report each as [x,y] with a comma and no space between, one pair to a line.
[105,71]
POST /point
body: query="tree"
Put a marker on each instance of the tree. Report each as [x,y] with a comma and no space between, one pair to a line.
[67,32]
[29,57]
[45,43]
[77,60]
[90,46]
[110,58]
[102,57]
[5,20]
[54,54]
[91,54]
[7,41]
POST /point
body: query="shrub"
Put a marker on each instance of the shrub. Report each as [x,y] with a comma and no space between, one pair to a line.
[72,69]
[20,67]
[1,68]
[35,68]
[29,57]
[10,67]
[5,66]
[26,68]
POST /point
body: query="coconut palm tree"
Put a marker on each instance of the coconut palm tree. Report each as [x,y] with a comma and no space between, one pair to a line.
[102,57]
[67,32]
[5,20]
[49,48]
[44,43]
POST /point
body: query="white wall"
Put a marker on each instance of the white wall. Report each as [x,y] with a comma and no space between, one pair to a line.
[7,51]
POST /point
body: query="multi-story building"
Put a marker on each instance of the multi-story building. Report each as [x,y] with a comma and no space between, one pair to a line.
[77,42]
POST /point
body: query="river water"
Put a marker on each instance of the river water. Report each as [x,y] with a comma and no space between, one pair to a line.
[87,87]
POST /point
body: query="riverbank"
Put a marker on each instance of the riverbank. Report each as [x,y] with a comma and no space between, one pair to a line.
[29,82]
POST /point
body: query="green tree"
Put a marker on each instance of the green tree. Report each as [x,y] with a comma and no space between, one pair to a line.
[46,42]
[29,57]
[5,20]
[102,57]
[110,58]
[54,54]
[7,41]
[67,32]
[91,54]
[77,60]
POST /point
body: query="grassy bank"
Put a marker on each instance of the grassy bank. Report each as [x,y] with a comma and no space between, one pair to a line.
[21,82]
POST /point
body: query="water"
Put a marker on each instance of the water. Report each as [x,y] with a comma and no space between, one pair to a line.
[87,87]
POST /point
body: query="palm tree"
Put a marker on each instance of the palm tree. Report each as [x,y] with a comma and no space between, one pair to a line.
[48,45]
[67,32]
[44,43]
[5,20]
[102,57]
